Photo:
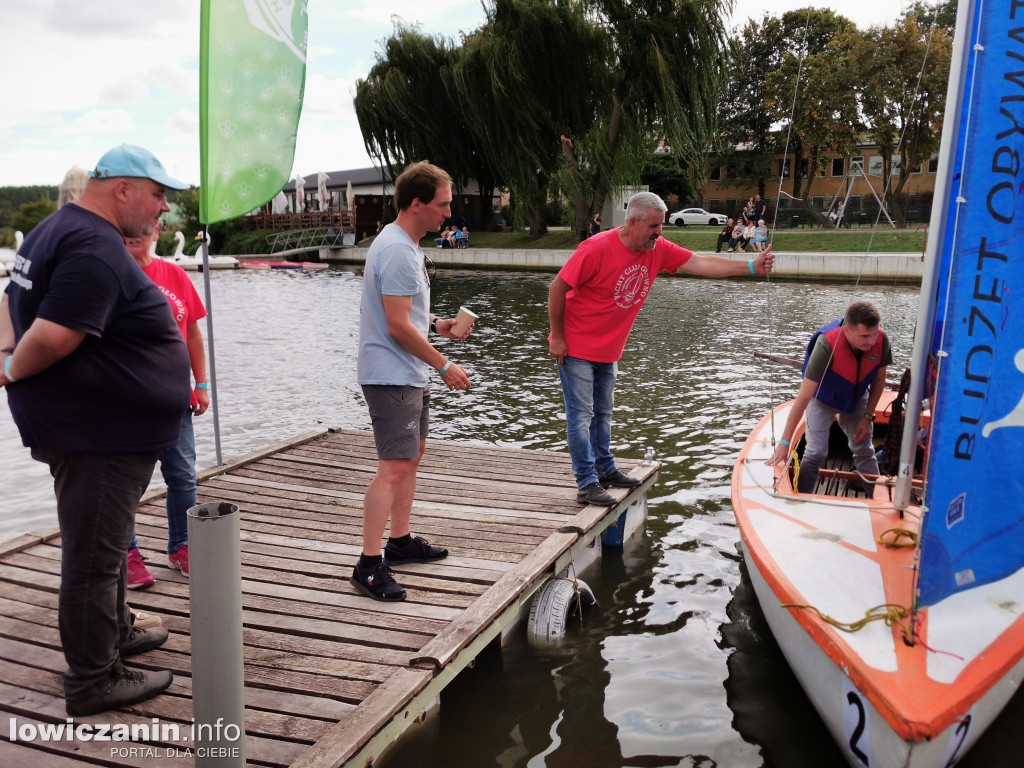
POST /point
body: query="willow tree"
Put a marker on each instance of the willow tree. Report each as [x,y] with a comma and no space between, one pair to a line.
[406,113]
[902,76]
[748,140]
[661,81]
[811,91]
[521,82]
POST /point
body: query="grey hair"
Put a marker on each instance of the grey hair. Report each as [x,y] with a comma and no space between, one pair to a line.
[640,203]
[72,187]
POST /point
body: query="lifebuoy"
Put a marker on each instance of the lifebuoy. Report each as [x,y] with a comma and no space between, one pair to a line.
[551,608]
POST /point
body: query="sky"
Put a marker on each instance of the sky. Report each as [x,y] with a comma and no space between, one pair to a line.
[77,78]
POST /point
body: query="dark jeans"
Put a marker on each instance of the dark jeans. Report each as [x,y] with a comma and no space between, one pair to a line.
[97,496]
[722,240]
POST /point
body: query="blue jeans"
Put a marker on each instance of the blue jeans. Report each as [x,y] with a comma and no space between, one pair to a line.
[589,392]
[178,466]
[97,495]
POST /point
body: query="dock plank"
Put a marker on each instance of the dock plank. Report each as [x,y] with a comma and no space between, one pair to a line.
[329,675]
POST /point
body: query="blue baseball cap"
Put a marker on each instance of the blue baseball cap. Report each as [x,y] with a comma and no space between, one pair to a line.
[134,162]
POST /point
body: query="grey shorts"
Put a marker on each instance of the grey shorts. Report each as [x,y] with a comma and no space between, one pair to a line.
[400,416]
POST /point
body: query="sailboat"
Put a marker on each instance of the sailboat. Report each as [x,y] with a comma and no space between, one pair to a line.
[919,686]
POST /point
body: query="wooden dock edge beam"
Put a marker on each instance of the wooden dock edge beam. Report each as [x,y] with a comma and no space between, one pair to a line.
[516,585]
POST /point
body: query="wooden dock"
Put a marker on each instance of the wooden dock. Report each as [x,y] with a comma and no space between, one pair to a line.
[331,677]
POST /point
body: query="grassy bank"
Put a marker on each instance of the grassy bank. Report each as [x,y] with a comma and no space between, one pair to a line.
[703,239]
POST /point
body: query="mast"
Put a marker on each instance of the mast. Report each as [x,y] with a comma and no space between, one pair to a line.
[944,194]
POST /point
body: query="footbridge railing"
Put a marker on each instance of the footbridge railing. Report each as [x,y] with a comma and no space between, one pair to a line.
[298,240]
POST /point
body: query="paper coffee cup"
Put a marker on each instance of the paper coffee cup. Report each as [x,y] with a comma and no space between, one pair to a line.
[463,321]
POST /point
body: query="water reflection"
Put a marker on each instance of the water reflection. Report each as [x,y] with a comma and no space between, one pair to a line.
[676,666]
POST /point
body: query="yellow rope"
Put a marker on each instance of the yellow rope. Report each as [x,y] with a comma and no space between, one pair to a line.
[891,613]
[796,471]
[897,534]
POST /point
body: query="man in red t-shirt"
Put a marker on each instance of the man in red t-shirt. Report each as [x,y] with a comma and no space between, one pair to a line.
[591,307]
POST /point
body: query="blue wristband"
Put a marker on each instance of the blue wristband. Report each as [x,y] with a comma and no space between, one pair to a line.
[202,385]
[7,369]
[441,371]
[750,264]
[784,442]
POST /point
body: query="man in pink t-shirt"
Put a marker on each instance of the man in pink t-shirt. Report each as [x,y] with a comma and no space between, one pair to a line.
[592,305]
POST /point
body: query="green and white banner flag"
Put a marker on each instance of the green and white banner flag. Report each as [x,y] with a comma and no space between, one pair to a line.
[252,74]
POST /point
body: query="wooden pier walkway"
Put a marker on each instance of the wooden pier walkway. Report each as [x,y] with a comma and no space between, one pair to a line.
[331,677]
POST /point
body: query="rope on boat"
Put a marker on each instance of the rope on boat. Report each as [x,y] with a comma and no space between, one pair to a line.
[901,537]
[892,614]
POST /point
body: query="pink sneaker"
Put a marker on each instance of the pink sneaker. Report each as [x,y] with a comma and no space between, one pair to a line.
[139,576]
[179,559]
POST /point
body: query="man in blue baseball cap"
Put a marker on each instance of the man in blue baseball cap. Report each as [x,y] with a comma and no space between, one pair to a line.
[97,377]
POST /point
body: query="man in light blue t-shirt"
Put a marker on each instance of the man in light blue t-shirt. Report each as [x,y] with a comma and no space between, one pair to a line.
[394,365]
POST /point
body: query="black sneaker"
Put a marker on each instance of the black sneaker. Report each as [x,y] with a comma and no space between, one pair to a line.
[595,494]
[127,686]
[618,479]
[140,640]
[416,551]
[377,582]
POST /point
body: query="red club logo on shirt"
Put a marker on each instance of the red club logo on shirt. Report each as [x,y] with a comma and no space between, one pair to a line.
[633,286]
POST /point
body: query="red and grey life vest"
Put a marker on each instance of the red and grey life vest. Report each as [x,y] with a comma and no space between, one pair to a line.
[848,375]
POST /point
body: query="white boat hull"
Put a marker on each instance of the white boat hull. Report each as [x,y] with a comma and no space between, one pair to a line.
[857,723]
[886,703]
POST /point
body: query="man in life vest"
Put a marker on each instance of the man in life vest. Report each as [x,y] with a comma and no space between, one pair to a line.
[844,375]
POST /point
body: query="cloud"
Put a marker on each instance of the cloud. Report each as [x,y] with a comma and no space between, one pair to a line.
[184,124]
[459,12]
[126,92]
[111,18]
[328,97]
[102,121]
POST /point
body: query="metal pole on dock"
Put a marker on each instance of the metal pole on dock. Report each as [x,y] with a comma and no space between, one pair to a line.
[215,598]
[205,248]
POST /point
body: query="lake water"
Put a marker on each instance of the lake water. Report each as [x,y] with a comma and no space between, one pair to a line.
[676,666]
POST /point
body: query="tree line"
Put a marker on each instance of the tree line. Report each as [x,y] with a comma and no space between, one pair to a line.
[566,99]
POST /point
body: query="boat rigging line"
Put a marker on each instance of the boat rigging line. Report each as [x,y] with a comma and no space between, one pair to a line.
[881,208]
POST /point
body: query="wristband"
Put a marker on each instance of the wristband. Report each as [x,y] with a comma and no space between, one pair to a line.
[447,365]
[201,385]
[7,369]
[7,351]
[433,325]
[784,442]
[750,264]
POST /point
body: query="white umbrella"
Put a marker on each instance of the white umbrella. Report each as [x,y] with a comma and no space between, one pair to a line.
[321,186]
[348,199]
[300,193]
[280,204]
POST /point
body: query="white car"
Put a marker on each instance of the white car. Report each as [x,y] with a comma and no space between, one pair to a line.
[697,217]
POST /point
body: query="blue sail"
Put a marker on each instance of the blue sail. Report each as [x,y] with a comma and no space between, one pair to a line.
[973,531]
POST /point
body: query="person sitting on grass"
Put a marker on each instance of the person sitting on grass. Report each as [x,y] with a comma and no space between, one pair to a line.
[462,237]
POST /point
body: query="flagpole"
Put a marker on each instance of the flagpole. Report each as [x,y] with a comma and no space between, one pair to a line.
[205,247]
